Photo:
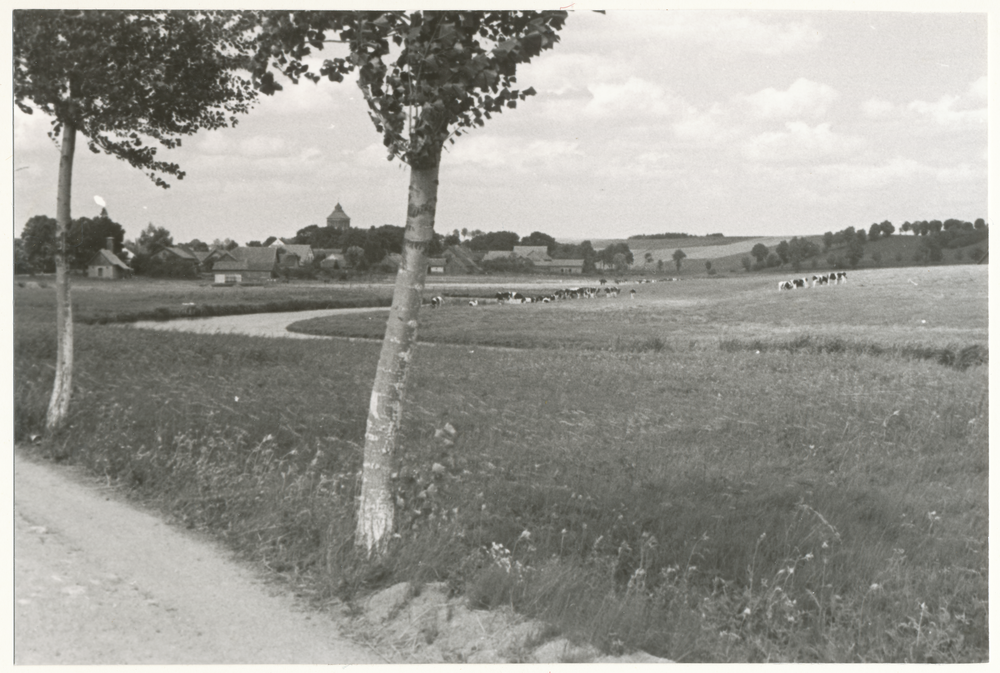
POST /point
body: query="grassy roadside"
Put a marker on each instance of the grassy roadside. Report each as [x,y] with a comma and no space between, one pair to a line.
[702,504]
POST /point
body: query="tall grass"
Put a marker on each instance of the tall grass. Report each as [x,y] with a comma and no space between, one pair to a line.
[702,503]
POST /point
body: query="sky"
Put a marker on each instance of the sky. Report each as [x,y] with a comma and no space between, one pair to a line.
[741,122]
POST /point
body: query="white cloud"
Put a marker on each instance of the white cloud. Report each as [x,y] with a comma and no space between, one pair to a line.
[898,169]
[949,111]
[800,142]
[635,97]
[979,89]
[262,146]
[494,151]
[876,108]
[731,32]
[703,127]
[804,98]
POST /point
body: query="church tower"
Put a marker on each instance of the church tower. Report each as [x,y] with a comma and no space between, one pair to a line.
[338,219]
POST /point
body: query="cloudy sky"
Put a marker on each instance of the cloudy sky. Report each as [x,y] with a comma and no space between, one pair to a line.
[740,122]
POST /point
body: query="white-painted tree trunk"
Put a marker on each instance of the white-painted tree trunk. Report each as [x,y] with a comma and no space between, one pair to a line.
[376,512]
[63,387]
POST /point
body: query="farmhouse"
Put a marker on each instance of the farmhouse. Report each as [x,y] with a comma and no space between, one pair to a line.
[303,254]
[105,264]
[247,264]
[539,256]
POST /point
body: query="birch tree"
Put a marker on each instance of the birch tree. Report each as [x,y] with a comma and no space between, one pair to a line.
[427,77]
[124,80]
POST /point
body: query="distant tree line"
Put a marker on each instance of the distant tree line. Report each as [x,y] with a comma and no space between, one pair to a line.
[670,234]
[795,251]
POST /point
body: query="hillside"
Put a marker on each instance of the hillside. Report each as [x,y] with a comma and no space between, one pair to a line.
[726,253]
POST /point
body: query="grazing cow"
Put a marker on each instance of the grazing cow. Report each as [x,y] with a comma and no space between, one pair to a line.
[474,302]
[841,277]
[611,291]
[631,294]
[436,302]
[799,282]
[603,281]
[785,285]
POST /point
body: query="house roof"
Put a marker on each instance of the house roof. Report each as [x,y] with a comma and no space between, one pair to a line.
[180,252]
[249,259]
[529,250]
[107,258]
[303,251]
[201,255]
[437,261]
[557,263]
[497,254]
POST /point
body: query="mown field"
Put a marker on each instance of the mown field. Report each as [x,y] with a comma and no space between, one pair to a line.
[713,471]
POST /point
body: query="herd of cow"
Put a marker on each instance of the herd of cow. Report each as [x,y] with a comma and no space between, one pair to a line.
[506,297]
[832,278]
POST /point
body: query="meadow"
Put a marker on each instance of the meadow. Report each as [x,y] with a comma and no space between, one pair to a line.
[712,471]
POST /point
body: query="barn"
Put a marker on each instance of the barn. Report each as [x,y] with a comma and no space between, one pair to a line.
[105,264]
[249,264]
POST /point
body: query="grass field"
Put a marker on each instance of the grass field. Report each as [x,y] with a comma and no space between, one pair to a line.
[713,471]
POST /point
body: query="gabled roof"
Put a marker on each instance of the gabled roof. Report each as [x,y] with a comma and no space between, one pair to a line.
[436,261]
[201,255]
[179,252]
[529,250]
[303,251]
[557,263]
[107,258]
[497,254]
[249,259]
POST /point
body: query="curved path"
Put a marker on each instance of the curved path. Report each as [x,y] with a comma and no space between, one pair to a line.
[253,324]
[99,581]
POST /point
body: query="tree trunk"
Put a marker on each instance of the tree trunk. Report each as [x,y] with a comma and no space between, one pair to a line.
[63,386]
[385,411]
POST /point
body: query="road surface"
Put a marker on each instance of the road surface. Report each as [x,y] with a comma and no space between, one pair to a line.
[98,581]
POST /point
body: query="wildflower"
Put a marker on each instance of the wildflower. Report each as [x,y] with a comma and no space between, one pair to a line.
[875,586]
[746,611]
[525,535]
[236,398]
[825,545]
[809,556]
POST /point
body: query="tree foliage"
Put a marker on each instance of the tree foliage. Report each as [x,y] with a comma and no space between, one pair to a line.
[129,79]
[679,256]
[87,236]
[39,240]
[452,69]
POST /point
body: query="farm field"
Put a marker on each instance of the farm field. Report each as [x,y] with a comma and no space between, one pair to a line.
[712,471]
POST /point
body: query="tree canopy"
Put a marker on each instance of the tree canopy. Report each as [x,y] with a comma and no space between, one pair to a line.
[127,79]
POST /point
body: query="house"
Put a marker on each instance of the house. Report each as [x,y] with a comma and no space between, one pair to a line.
[303,253]
[436,264]
[536,253]
[248,264]
[539,256]
[332,261]
[105,264]
[460,261]
[175,254]
[560,266]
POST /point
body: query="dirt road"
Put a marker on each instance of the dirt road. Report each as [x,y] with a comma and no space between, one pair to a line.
[97,581]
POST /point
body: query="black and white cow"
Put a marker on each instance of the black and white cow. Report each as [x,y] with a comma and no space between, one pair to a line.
[799,282]
[436,302]
[785,285]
